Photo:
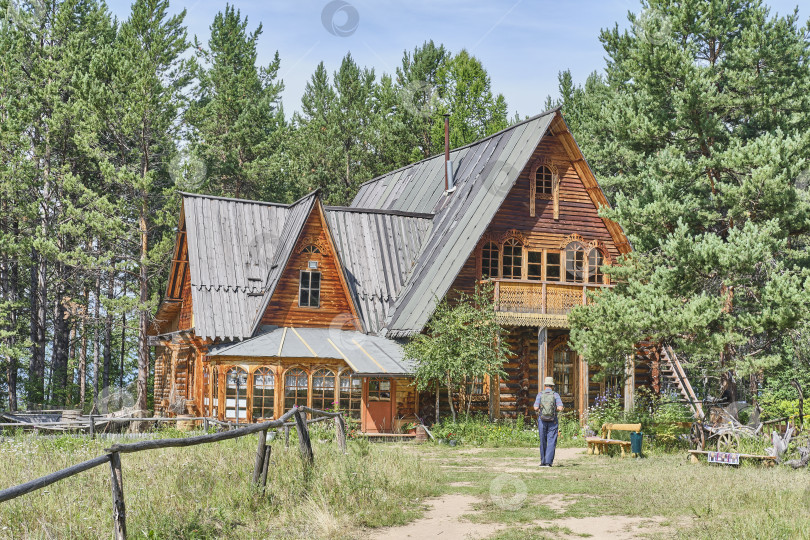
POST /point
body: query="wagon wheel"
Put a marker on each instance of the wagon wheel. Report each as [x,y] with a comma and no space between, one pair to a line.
[697,437]
[728,442]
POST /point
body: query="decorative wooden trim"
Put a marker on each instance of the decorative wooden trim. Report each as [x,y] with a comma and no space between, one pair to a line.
[312,240]
[533,195]
[572,238]
[513,233]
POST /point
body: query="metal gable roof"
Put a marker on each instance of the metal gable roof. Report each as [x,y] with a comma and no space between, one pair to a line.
[365,354]
[378,250]
[485,172]
[230,248]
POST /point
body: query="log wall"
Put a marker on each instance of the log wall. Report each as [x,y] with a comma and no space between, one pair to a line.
[283,309]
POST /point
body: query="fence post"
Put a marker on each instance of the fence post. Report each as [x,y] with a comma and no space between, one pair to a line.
[92,427]
[205,424]
[286,436]
[263,480]
[340,429]
[119,510]
[304,443]
[259,465]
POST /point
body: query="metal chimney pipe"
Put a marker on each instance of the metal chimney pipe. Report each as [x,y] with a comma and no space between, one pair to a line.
[446,149]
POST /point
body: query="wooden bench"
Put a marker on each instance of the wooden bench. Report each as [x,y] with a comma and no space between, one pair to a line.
[599,445]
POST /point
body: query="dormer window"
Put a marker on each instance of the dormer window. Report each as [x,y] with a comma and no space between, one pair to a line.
[309,289]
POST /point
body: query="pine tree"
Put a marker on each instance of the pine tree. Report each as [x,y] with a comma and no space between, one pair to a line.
[465,92]
[236,113]
[701,139]
[136,111]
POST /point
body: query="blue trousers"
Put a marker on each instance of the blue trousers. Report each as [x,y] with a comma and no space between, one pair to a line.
[548,440]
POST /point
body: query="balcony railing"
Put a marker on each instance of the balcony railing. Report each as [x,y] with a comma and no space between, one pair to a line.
[545,297]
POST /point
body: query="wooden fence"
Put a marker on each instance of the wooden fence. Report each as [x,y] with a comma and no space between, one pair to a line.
[113,456]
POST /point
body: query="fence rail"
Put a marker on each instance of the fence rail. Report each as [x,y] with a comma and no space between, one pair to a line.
[113,455]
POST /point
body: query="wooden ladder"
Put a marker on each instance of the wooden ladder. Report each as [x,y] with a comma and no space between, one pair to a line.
[675,375]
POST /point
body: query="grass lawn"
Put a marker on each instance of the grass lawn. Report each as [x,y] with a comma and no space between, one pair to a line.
[681,500]
[205,491]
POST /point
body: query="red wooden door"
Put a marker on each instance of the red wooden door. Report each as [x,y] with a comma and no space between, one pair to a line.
[378,413]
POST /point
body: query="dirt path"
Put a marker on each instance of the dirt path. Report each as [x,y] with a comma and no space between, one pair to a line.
[445,516]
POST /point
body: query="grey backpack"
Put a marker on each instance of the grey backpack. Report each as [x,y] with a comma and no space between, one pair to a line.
[548,406]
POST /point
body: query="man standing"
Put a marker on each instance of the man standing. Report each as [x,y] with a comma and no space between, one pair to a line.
[548,403]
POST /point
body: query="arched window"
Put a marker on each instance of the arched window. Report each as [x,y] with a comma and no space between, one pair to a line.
[351,390]
[595,262]
[574,263]
[544,183]
[512,259]
[295,388]
[323,390]
[312,248]
[264,387]
[489,260]
[236,393]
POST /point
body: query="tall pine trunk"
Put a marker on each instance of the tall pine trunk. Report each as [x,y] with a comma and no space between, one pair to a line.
[143,285]
[96,342]
[83,351]
[108,330]
[36,371]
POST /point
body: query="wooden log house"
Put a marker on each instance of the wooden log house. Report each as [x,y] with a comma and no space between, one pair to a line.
[271,305]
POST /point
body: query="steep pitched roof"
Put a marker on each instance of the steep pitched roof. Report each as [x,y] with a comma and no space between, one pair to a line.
[297,214]
[485,173]
[231,244]
[378,250]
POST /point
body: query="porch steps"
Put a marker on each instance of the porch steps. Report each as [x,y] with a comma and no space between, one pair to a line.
[674,376]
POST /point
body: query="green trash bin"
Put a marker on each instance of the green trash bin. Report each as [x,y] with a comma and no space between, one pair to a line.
[635,443]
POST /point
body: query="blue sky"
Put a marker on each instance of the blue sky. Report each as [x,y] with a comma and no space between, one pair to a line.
[523,44]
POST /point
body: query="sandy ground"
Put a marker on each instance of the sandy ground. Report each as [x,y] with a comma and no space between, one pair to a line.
[444,517]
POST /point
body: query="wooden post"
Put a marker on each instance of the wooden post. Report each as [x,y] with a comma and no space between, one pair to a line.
[92,427]
[542,354]
[304,444]
[205,425]
[544,301]
[340,430]
[259,463]
[119,510]
[263,479]
[286,436]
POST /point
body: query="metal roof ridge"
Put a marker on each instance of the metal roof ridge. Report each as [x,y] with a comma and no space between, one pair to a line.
[231,199]
[513,126]
[381,211]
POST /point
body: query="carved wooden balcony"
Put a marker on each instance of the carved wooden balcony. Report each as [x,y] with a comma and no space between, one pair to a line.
[539,303]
